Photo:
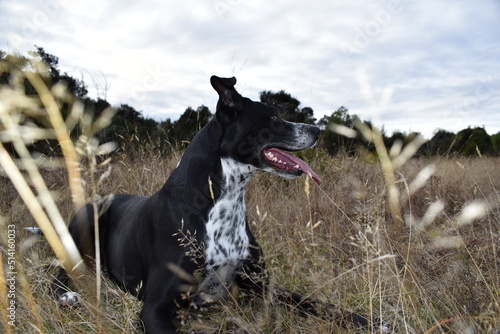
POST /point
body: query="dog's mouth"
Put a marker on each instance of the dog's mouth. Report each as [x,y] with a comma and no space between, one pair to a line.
[287,163]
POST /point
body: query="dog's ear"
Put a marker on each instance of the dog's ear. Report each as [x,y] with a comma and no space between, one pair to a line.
[230,101]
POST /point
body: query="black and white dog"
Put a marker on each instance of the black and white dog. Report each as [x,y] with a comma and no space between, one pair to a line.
[143,239]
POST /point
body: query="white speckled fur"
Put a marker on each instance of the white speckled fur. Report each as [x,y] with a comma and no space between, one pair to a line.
[227,239]
[227,243]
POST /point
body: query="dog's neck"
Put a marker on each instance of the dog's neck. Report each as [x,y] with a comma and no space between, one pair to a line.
[236,175]
[227,239]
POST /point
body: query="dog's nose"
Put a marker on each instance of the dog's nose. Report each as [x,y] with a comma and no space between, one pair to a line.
[315,131]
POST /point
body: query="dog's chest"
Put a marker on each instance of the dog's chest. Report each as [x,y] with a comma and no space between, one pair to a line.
[227,239]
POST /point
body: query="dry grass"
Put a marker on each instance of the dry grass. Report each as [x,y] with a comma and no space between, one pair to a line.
[428,263]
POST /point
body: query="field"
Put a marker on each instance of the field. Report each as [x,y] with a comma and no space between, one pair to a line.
[338,242]
[413,241]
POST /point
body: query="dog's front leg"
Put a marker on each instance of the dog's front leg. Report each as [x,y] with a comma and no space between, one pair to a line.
[216,284]
[252,275]
[157,317]
[162,299]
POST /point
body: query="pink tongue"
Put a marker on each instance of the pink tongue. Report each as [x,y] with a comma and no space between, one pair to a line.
[293,160]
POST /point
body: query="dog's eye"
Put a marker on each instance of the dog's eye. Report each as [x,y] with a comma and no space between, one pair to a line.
[274,118]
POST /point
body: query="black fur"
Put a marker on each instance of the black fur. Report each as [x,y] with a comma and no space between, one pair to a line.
[147,241]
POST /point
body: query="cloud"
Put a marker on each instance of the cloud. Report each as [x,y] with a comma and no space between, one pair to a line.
[158,56]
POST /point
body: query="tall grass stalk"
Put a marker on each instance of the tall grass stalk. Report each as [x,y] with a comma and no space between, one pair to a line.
[17,113]
[61,242]
[63,136]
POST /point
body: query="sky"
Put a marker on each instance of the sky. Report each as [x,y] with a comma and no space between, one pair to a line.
[405,65]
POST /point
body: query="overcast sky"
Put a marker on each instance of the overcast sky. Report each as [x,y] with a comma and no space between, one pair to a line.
[406,65]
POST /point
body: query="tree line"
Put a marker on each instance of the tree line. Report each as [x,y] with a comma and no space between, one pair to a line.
[129,127]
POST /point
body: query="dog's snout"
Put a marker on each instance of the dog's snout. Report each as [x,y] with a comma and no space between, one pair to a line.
[312,132]
[315,131]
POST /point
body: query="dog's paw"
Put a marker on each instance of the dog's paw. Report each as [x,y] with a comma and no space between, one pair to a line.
[70,299]
[34,230]
[202,300]
[384,327]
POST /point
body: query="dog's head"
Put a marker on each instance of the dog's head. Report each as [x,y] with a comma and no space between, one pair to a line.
[254,133]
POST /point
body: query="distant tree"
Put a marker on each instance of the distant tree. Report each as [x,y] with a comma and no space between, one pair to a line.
[332,141]
[396,136]
[367,144]
[128,125]
[441,143]
[306,115]
[470,138]
[51,61]
[4,75]
[95,106]
[404,139]
[190,122]
[166,128]
[9,62]
[495,141]
[411,136]
[75,86]
[287,106]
